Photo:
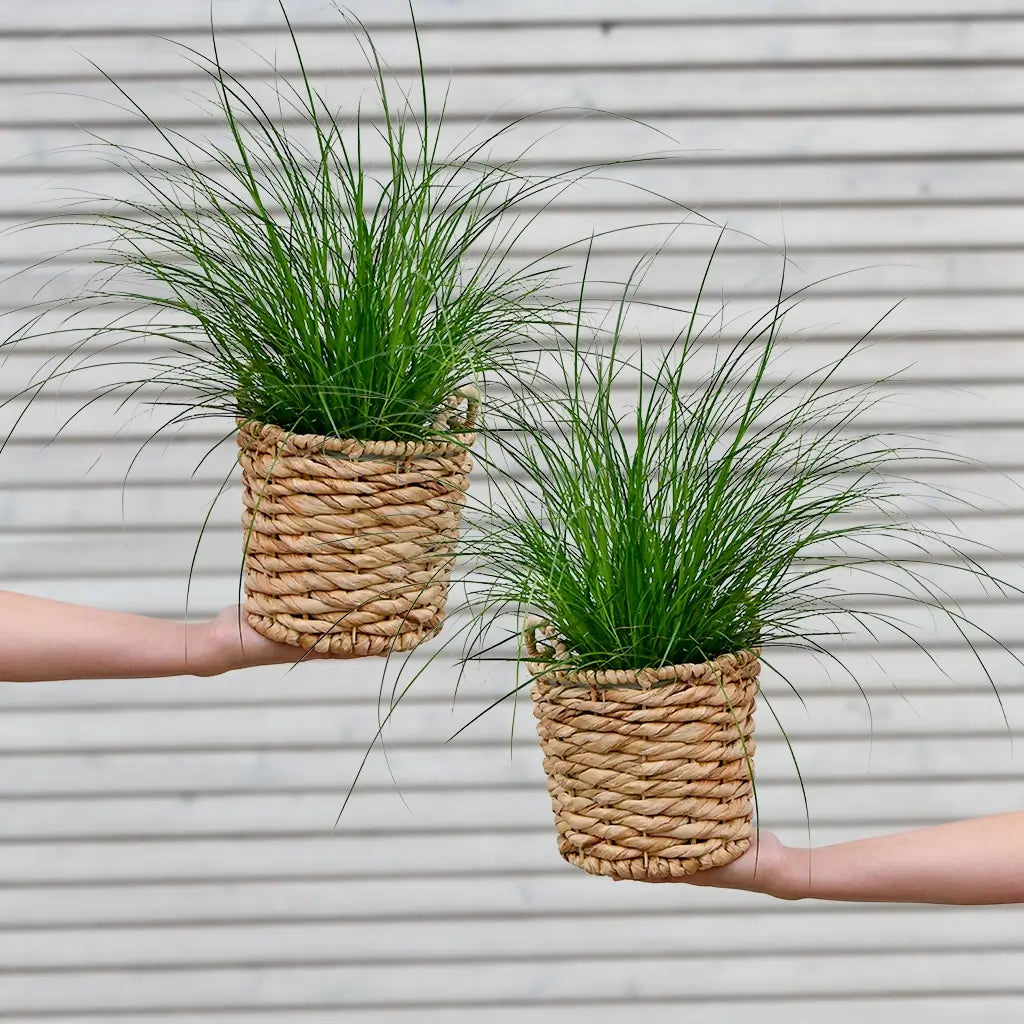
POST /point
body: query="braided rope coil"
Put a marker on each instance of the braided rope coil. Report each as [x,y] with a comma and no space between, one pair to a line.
[349,545]
[650,771]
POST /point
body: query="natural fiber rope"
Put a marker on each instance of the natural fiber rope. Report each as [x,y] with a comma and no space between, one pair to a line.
[349,544]
[649,772]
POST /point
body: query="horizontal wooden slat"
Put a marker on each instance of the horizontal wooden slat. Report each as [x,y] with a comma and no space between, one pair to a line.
[363,985]
[684,41]
[173,513]
[104,463]
[239,728]
[904,371]
[113,492]
[601,82]
[192,15]
[640,94]
[334,942]
[745,279]
[105,395]
[552,891]
[48,782]
[847,1007]
[315,854]
[647,226]
[322,684]
[379,812]
[167,555]
[922,420]
[584,139]
[162,530]
[171,595]
[82,164]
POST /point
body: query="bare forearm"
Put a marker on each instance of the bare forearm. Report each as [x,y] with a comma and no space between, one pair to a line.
[50,640]
[980,861]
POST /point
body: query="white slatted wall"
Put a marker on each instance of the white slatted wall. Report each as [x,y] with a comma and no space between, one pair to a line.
[166,847]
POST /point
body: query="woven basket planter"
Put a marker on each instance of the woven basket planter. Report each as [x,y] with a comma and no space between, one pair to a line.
[649,771]
[349,544]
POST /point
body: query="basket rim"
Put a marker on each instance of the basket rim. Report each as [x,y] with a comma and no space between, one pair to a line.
[254,433]
[686,674]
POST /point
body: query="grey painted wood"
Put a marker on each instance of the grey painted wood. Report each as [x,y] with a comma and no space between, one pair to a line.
[168,849]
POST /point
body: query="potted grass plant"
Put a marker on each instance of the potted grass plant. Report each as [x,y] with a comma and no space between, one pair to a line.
[338,312]
[665,520]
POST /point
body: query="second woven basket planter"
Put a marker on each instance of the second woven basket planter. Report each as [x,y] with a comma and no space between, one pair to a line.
[349,544]
[649,771]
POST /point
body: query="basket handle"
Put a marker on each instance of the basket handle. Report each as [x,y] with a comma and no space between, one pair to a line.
[472,396]
[467,394]
[530,628]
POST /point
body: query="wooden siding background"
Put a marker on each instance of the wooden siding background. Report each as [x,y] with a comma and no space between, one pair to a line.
[166,847]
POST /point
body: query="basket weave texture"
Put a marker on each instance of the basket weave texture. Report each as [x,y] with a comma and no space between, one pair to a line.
[649,771]
[349,545]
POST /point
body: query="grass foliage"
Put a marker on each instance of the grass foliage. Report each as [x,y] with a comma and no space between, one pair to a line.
[296,286]
[666,507]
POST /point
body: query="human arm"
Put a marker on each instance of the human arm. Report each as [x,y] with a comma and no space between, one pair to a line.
[41,640]
[974,862]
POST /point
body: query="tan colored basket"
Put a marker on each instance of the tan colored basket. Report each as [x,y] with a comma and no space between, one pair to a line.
[349,544]
[649,771]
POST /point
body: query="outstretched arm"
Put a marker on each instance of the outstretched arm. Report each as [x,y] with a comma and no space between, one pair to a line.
[971,863]
[43,640]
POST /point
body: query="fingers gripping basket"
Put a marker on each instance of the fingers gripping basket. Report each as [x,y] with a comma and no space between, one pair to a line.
[649,771]
[349,544]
